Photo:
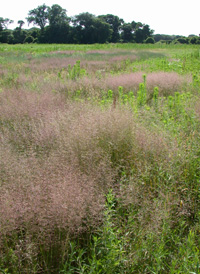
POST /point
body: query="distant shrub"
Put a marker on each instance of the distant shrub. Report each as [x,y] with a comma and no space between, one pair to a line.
[150,40]
[182,40]
[29,39]
[198,41]
[193,40]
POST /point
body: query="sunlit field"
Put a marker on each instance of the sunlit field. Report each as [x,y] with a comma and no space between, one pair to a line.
[100,159]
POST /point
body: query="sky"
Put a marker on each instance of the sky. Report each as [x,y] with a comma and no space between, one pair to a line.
[173,17]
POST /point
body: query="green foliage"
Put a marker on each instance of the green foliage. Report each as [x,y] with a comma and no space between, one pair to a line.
[38,16]
[19,36]
[127,33]
[57,16]
[107,98]
[155,98]
[196,80]
[6,36]
[142,93]
[150,40]
[182,40]
[72,72]
[115,23]
[10,80]
[105,253]
[29,39]
[187,259]
[4,22]
[87,28]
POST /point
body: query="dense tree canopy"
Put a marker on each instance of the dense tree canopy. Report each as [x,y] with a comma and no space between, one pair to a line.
[38,16]
[54,26]
[57,16]
[91,29]
[115,24]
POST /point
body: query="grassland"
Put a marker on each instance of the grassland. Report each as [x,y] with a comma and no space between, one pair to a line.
[100,159]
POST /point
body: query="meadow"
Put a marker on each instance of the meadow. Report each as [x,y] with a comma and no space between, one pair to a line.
[100,159]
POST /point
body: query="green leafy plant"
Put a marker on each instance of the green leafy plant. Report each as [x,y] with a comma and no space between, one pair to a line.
[105,253]
[142,93]
[155,98]
[76,71]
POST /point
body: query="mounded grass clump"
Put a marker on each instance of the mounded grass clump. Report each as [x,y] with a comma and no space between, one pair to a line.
[68,156]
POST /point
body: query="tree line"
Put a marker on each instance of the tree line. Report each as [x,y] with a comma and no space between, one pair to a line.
[52,25]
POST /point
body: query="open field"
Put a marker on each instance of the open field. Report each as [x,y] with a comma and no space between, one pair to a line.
[100,159]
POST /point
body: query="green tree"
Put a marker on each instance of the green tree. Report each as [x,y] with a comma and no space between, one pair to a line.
[29,39]
[4,22]
[102,32]
[193,40]
[163,37]
[19,35]
[127,33]
[38,16]
[57,16]
[135,32]
[6,36]
[58,29]
[34,32]
[84,19]
[142,32]
[55,34]
[21,23]
[198,41]
[89,29]
[150,40]
[115,24]
[182,40]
